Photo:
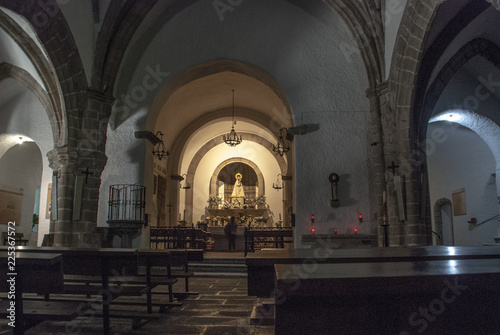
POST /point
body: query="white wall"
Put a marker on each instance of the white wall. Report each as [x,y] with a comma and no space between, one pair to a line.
[24,115]
[21,167]
[463,160]
[339,146]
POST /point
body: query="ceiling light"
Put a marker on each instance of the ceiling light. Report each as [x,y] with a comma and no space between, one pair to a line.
[232,138]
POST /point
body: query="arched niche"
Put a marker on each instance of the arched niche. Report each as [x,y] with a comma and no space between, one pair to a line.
[221,166]
[227,179]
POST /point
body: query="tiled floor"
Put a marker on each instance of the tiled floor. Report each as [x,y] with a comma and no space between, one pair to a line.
[222,307]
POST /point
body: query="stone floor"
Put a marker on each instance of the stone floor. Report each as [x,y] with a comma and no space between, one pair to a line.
[222,307]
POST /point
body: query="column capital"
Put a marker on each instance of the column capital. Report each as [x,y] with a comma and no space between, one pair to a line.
[60,157]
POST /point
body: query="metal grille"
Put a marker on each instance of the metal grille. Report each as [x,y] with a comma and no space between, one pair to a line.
[126,203]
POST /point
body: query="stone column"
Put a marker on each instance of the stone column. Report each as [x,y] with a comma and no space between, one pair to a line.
[63,161]
[385,149]
[91,150]
[87,160]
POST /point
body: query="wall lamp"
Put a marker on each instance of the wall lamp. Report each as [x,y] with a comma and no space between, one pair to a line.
[159,149]
[186,185]
[278,185]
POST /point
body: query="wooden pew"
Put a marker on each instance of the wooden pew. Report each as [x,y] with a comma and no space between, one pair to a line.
[32,273]
[431,297]
[17,238]
[172,264]
[268,237]
[177,238]
[102,263]
[261,263]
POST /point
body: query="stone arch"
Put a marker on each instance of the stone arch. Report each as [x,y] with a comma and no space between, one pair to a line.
[477,47]
[213,67]
[189,200]
[11,71]
[260,178]
[409,46]
[52,29]
[438,220]
[51,98]
[366,25]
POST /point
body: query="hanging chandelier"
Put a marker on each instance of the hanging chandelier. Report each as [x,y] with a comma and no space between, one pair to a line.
[232,138]
[159,150]
[281,147]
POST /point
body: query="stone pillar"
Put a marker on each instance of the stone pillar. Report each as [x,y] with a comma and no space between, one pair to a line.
[386,149]
[378,107]
[63,161]
[87,160]
[91,150]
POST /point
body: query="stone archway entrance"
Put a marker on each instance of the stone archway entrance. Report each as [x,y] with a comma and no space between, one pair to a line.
[443,226]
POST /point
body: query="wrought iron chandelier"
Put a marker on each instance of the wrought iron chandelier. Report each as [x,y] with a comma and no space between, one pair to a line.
[281,147]
[186,185]
[278,185]
[232,138]
[159,150]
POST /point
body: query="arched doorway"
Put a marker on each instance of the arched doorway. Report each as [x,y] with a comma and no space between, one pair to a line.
[443,223]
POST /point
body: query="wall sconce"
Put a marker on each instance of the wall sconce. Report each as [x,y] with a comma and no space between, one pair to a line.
[159,150]
[360,218]
[278,185]
[312,218]
[186,185]
[281,147]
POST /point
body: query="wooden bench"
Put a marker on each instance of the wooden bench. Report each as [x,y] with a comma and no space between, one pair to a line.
[103,263]
[431,297]
[31,273]
[17,238]
[171,264]
[256,238]
[177,238]
[44,310]
[261,273]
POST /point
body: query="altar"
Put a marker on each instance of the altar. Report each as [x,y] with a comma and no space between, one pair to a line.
[237,212]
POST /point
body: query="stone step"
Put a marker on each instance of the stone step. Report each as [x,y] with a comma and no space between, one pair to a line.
[224,260]
[219,267]
[263,314]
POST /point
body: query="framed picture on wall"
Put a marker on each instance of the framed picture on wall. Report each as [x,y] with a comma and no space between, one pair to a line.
[458,198]
[49,201]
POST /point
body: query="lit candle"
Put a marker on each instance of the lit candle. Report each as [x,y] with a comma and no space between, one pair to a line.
[355,231]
